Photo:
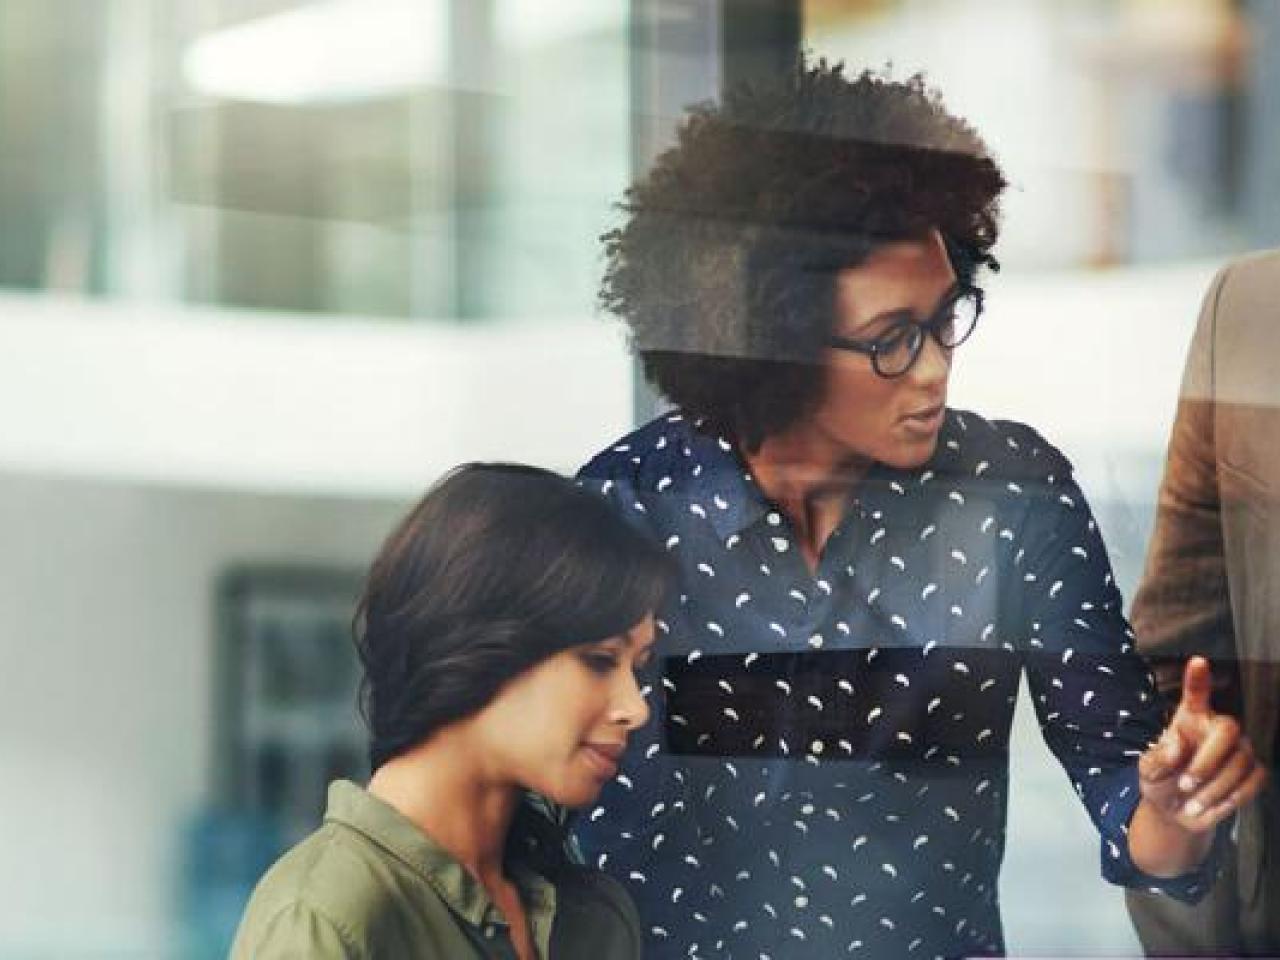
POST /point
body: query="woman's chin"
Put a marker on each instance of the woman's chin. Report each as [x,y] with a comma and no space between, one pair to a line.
[912,454]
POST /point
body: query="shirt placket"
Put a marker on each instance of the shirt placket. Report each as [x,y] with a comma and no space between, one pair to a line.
[783,569]
[811,594]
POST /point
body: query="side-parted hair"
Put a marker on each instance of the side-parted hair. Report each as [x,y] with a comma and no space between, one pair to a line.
[498,567]
[725,267]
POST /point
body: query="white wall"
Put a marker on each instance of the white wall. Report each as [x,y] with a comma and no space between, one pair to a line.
[308,404]
[106,636]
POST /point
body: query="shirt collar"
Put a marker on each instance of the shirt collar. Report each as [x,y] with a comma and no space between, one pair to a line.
[726,492]
[354,807]
[720,485]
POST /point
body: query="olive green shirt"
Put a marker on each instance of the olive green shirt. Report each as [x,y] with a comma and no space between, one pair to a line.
[370,885]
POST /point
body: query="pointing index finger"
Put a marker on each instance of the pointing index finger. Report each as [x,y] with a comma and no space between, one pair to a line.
[1197,685]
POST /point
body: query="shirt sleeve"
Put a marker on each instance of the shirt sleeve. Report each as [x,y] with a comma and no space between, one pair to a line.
[297,931]
[1094,695]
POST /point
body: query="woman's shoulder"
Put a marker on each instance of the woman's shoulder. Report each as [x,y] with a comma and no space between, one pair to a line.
[334,866]
[294,905]
[973,445]
[653,449]
[335,884]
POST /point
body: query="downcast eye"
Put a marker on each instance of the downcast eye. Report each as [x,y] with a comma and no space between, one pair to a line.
[894,339]
[599,662]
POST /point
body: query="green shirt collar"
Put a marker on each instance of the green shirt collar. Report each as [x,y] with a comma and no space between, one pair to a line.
[356,808]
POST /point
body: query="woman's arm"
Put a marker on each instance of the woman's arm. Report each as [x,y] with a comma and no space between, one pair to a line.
[1099,709]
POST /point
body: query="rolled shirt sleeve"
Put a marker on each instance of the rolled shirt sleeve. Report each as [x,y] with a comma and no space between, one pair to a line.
[1096,699]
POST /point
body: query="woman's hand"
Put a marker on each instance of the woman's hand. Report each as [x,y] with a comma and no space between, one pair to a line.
[1200,771]
[1202,768]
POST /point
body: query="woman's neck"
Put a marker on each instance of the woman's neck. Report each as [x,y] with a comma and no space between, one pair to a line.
[441,788]
[810,480]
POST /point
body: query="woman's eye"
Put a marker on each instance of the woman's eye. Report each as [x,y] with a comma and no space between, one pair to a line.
[600,662]
[892,340]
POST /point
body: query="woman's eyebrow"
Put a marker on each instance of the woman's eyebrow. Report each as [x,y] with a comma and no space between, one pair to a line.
[886,317]
[901,313]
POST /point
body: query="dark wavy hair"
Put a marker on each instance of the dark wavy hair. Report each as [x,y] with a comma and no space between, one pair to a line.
[724,269]
[497,568]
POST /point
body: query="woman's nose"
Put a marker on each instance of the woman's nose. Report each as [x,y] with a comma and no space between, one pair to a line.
[933,364]
[631,710]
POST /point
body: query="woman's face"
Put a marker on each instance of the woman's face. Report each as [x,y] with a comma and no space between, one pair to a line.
[866,416]
[560,727]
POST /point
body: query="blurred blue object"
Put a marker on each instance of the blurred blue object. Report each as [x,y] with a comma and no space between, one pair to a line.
[223,856]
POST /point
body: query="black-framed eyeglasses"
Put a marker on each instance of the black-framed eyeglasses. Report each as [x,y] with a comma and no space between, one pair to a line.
[895,351]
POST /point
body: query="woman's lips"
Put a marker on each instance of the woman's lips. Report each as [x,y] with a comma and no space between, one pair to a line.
[604,757]
[928,420]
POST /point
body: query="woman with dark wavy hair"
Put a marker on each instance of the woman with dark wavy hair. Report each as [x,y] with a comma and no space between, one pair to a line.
[500,630]
[866,574]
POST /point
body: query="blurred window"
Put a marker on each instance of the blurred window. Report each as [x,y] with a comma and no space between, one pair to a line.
[1133,131]
[416,158]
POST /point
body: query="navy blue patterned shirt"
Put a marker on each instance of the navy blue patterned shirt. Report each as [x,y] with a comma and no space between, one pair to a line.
[825,773]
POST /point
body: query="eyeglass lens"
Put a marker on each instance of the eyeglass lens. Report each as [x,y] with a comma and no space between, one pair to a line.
[951,326]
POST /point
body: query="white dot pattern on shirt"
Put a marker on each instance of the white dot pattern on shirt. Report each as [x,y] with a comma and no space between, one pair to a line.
[954,579]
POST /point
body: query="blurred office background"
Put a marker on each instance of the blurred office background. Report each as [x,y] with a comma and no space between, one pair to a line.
[267,267]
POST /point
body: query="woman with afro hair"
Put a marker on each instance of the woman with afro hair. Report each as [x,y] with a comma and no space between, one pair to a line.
[866,573]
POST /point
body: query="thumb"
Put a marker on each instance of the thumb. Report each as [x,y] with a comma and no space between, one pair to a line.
[1197,684]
